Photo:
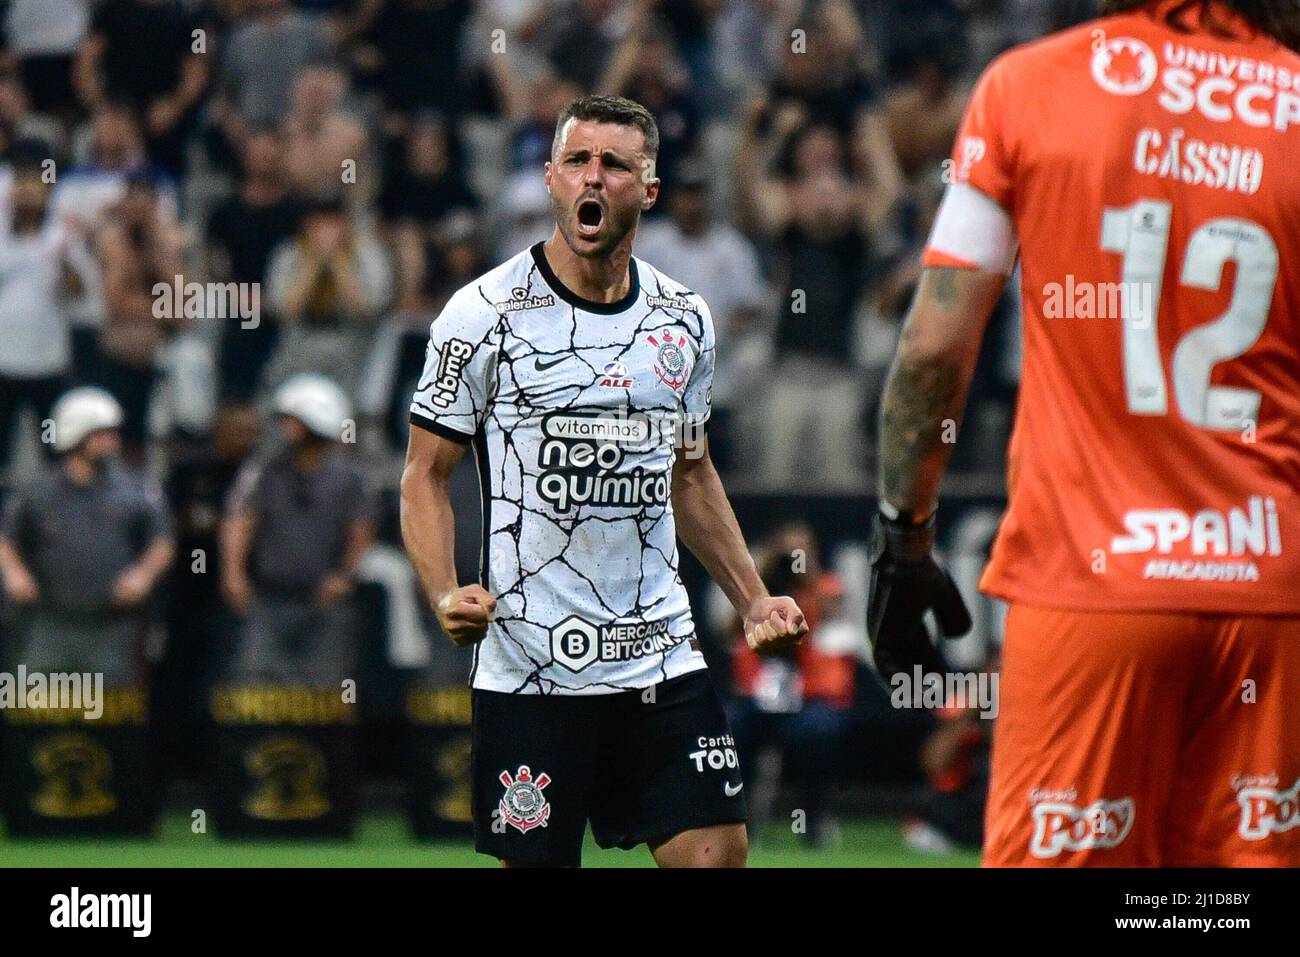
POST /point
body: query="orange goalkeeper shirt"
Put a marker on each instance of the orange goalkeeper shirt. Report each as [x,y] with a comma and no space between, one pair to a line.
[1152,177]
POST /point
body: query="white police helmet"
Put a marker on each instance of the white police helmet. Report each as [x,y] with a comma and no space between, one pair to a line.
[317,403]
[80,412]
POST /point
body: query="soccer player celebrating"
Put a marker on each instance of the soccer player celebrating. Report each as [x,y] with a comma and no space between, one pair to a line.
[582,378]
[1145,166]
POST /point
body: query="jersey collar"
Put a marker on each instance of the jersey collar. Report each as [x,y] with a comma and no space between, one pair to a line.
[580,302]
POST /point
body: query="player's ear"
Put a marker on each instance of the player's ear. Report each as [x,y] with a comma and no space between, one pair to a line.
[651,186]
[547,178]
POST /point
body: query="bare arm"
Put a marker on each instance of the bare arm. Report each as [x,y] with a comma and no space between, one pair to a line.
[707,526]
[86,77]
[926,389]
[428,530]
[428,523]
[237,533]
[19,583]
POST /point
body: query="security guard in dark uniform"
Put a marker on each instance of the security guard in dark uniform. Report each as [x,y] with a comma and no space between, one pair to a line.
[294,532]
[81,551]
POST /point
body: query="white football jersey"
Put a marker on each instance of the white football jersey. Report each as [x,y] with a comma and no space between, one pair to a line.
[575,410]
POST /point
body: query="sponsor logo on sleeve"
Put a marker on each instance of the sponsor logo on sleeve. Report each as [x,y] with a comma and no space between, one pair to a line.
[452,360]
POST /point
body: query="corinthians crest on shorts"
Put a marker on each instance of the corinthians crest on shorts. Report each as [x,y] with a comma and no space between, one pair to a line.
[524,806]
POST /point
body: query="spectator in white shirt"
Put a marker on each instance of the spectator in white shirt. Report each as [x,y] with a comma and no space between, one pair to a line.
[712,259]
[42,264]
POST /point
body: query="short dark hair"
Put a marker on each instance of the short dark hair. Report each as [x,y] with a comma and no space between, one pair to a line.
[1280,19]
[599,108]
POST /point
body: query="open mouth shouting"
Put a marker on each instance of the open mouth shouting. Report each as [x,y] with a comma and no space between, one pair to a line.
[591,217]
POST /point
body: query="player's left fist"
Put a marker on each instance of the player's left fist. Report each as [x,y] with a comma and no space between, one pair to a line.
[774,625]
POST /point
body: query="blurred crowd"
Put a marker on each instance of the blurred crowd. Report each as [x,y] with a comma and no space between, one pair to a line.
[356,161]
[310,180]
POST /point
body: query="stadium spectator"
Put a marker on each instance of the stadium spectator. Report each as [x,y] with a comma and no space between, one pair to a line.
[294,531]
[264,52]
[923,113]
[429,269]
[580,38]
[748,37]
[328,285]
[715,260]
[146,53]
[138,249]
[44,263]
[82,547]
[417,50]
[242,233]
[109,153]
[533,114]
[425,180]
[197,487]
[821,223]
[327,146]
[799,702]
[525,212]
[648,69]
[18,121]
[42,37]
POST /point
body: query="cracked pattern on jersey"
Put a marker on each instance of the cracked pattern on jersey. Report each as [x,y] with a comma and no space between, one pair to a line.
[574,417]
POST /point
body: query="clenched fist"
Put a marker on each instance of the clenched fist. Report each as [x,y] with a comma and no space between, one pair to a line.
[774,625]
[464,613]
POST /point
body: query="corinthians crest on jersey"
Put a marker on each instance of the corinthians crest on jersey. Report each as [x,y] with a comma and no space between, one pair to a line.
[576,411]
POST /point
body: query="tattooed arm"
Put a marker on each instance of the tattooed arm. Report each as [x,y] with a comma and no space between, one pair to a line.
[928,381]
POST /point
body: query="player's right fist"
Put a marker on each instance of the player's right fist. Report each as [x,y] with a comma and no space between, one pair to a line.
[464,613]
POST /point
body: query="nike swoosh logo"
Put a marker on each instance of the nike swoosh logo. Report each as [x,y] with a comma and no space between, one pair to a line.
[543,366]
[730,791]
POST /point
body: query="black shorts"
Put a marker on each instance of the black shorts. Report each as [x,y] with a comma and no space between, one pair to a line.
[640,765]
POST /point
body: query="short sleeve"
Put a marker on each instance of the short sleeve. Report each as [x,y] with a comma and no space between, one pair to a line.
[983,155]
[14,520]
[155,516]
[459,377]
[697,398]
[245,496]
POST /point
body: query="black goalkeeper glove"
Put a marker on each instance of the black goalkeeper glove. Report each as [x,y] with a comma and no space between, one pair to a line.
[906,582]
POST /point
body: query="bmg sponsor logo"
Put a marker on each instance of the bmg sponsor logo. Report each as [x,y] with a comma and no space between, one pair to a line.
[1061,825]
[451,362]
[577,643]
